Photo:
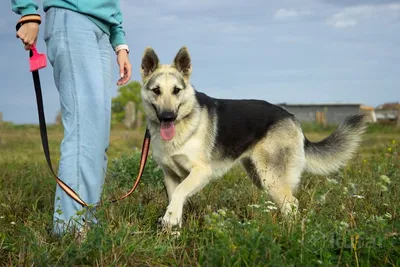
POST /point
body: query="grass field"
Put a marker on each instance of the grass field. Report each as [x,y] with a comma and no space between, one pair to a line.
[350,218]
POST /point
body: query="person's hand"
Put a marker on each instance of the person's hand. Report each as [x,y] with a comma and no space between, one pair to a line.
[125,68]
[28,34]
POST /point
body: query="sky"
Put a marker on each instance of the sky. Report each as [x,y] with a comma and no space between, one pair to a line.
[297,51]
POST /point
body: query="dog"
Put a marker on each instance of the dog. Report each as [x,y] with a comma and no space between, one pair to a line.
[197,138]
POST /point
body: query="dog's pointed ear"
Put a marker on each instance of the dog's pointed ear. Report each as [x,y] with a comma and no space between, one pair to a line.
[183,63]
[149,62]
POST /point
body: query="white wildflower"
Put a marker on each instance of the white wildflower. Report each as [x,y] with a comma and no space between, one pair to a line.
[358,196]
[321,199]
[2,217]
[385,179]
[382,187]
[222,212]
[13,223]
[344,224]
[254,206]
[378,219]
[388,215]
[332,181]
[270,207]
[345,190]
[176,233]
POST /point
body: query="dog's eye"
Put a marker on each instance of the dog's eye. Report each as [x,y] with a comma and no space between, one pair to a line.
[176,90]
[156,90]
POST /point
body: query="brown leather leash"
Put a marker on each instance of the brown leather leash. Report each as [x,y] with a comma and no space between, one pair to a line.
[45,144]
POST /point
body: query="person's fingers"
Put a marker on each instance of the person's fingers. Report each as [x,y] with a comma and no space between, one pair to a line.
[30,40]
[121,69]
[21,34]
[127,73]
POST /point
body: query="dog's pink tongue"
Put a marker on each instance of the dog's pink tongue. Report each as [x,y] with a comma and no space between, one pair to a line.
[167,130]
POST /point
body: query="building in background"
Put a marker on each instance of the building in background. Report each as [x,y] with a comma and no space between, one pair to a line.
[370,111]
[322,113]
[388,113]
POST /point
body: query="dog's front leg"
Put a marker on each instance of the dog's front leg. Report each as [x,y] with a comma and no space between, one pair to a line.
[171,181]
[198,178]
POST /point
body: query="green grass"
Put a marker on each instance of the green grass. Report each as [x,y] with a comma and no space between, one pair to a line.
[348,218]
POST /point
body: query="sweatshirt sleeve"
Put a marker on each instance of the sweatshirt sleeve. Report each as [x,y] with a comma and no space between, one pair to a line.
[117,33]
[24,7]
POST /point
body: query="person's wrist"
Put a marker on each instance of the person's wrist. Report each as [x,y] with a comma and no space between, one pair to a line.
[122,52]
[122,47]
[35,18]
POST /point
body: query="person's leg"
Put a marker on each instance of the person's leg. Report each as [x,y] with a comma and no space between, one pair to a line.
[105,50]
[76,56]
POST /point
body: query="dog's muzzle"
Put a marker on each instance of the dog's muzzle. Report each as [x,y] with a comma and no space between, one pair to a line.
[167,116]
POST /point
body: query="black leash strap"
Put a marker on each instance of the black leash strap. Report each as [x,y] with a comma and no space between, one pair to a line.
[43,134]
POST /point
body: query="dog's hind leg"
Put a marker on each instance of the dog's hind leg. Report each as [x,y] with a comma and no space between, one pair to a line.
[276,181]
[277,171]
[252,172]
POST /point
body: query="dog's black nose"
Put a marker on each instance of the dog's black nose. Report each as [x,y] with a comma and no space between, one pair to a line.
[167,116]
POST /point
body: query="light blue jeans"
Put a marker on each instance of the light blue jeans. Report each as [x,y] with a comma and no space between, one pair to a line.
[80,54]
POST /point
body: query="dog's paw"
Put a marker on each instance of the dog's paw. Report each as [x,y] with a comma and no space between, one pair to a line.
[171,220]
[290,208]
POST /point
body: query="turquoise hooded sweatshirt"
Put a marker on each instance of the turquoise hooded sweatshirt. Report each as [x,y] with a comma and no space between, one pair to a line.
[106,14]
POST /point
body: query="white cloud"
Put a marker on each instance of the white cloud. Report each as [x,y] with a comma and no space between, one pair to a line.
[167,18]
[283,13]
[172,20]
[342,22]
[291,39]
[394,7]
[351,16]
[187,5]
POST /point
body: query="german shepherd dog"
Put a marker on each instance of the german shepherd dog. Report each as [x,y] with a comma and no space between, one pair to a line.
[197,138]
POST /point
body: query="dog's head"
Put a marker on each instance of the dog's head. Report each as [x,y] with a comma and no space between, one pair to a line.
[167,93]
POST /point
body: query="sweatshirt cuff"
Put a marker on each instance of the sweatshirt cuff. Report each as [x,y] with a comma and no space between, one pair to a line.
[117,39]
[25,9]
[29,10]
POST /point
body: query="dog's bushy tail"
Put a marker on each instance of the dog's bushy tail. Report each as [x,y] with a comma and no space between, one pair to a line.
[333,152]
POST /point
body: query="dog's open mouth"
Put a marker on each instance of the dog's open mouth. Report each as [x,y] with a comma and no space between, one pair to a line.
[167,130]
[167,123]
